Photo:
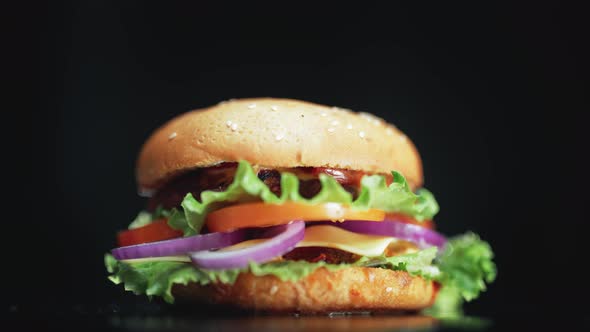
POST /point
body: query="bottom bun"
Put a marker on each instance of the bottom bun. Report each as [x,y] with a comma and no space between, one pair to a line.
[349,290]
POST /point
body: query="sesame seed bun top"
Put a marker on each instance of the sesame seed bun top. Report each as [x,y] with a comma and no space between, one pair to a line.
[276,133]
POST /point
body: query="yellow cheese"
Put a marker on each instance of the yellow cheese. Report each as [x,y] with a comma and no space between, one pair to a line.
[333,237]
[243,244]
[338,238]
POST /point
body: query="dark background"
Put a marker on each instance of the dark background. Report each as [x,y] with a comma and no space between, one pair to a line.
[491,95]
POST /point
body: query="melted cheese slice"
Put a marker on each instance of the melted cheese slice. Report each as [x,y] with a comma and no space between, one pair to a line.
[333,237]
[243,244]
[338,238]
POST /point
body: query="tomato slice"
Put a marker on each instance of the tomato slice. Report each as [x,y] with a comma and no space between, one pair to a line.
[263,215]
[409,220]
[157,230]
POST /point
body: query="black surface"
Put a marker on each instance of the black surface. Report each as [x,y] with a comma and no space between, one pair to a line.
[492,95]
[157,317]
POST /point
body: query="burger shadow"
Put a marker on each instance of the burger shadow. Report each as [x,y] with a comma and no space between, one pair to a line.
[161,316]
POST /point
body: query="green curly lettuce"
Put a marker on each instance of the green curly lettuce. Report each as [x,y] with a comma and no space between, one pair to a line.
[144,217]
[246,187]
[466,267]
[448,304]
[418,263]
[156,278]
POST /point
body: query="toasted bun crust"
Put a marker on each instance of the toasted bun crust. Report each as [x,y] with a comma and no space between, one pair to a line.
[276,133]
[347,290]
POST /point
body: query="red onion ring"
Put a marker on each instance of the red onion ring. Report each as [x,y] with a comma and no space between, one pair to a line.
[421,236]
[180,246]
[283,239]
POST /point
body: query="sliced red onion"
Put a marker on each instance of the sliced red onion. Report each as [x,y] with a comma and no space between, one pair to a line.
[180,246]
[422,236]
[282,239]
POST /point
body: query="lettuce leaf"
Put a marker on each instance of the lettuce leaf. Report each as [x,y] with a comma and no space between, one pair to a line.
[466,265]
[144,217]
[246,187]
[157,277]
[178,221]
[418,263]
[151,278]
[448,304]
[397,197]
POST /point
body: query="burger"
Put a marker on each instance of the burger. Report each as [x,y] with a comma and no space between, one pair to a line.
[285,206]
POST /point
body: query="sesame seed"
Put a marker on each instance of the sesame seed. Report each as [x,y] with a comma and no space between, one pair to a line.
[251,106]
[324,114]
[371,277]
[274,108]
[172,136]
[234,127]
[335,123]
[331,130]
[279,137]
[371,118]
[389,131]
[228,123]
[365,116]
[274,289]
[403,138]
[388,289]
[361,134]
[349,126]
